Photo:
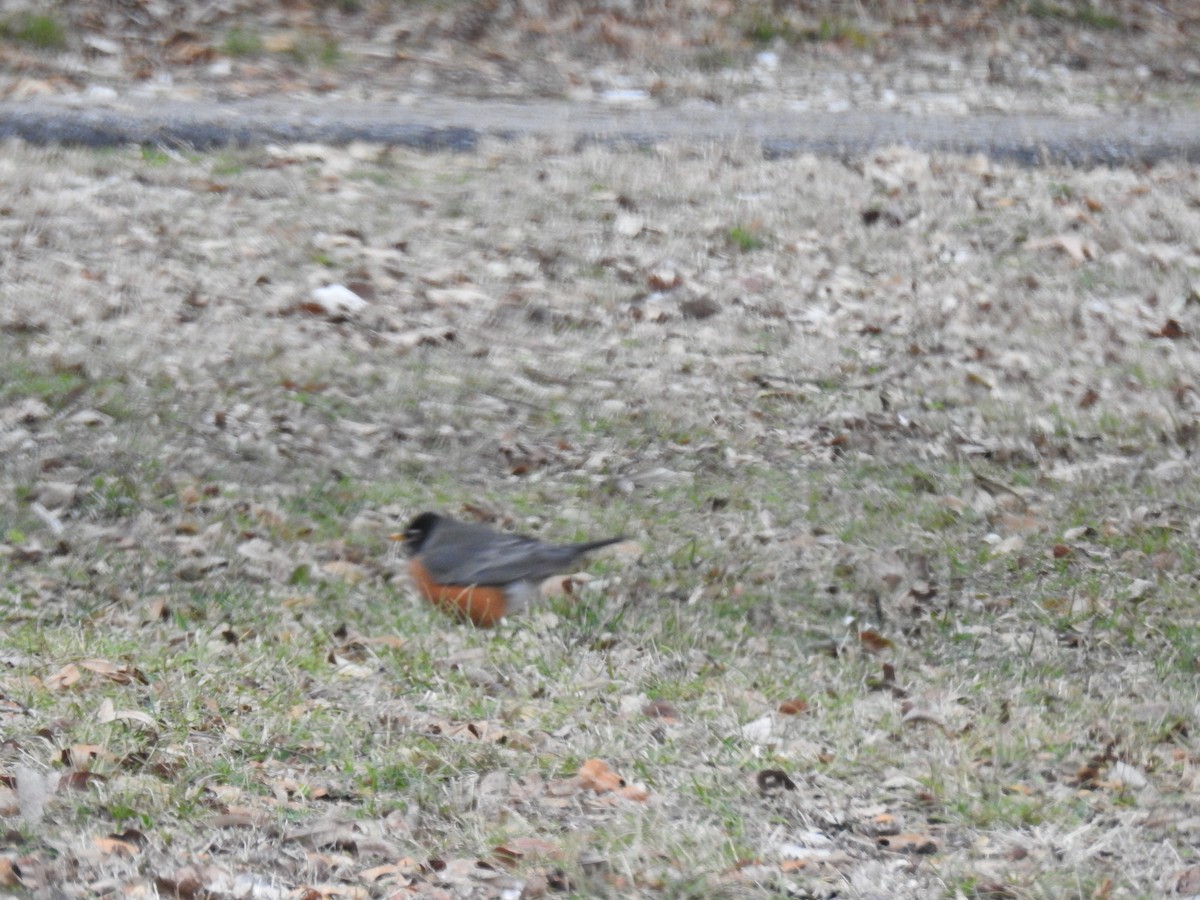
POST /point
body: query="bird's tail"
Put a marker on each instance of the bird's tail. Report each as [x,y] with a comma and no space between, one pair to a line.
[589,546]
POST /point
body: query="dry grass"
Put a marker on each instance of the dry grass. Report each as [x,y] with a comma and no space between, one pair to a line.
[939,428]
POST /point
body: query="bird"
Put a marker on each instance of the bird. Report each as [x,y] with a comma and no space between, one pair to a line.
[479,573]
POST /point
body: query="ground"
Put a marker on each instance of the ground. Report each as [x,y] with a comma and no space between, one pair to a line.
[902,445]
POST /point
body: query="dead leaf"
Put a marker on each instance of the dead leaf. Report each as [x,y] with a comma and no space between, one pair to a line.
[335,301]
[108,713]
[394,641]
[1187,882]
[1079,248]
[1171,330]
[664,279]
[390,871]
[351,573]
[628,225]
[699,308]
[63,678]
[111,671]
[115,846]
[349,669]
[873,642]
[773,780]
[635,792]
[248,819]
[520,849]
[597,776]
[80,756]
[908,842]
[660,709]
[794,707]
[79,781]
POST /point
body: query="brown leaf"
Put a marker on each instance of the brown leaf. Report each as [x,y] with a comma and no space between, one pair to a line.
[1079,248]
[63,678]
[248,819]
[79,756]
[1171,330]
[79,781]
[118,674]
[699,308]
[394,641]
[390,871]
[109,713]
[116,846]
[773,780]
[349,572]
[873,642]
[520,849]
[660,709]
[794,707]
[908,842]
[1187,882]
[597,776]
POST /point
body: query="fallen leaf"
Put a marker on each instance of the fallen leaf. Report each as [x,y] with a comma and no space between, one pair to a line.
[519,849]
[335,301]
[772,780]
[873,641]
[628,225]
[113,672]
[699,308]
[108,713]
[79,781]
[660,709]
[351,573]
[597,776]
[908,842]
[1171,330]
[635,792]
[63,678]
[1079,248]
[794,707]
[115,846]
[238,820]
[1187,882]
[389,871]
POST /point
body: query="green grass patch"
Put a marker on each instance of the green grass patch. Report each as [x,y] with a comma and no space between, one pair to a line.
[40,31]
[241,42]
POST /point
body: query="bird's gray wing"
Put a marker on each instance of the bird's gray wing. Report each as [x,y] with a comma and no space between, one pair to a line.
[501,559]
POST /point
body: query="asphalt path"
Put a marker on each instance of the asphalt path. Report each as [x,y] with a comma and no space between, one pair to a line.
[446,124]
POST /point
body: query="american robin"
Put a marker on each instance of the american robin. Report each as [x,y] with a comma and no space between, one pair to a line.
[479,573]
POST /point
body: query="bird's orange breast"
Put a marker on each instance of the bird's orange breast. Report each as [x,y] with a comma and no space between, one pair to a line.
[482,605]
